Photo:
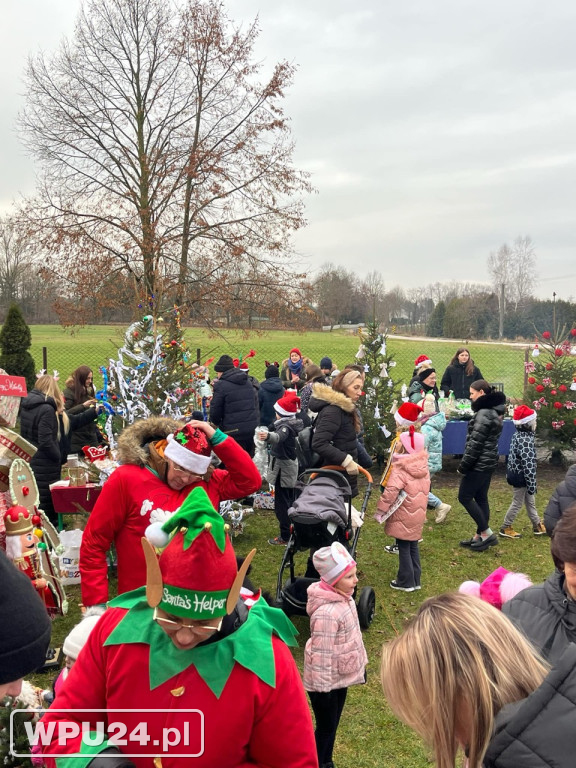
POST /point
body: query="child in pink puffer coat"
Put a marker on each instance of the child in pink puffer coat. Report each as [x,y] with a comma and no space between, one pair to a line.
[335,656]
[410,476]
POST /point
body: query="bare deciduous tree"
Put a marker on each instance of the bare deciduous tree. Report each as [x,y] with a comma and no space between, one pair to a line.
[161,154]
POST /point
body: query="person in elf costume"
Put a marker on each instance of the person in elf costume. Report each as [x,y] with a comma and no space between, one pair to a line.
[22,549]
[187,641]
[161,461]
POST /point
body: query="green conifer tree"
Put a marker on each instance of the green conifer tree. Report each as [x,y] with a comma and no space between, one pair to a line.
[15,341]
[380,390]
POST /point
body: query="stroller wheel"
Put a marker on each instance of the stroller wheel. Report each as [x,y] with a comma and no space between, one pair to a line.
[366,607]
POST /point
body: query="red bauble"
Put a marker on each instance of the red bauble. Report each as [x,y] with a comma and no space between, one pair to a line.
[563,388]
[558,352]
[539,388]
[573,332]
[531,380]
[135,334]
[173,343]
[114,397]
[557,405]
[549,366]
[546,335]
[552,391]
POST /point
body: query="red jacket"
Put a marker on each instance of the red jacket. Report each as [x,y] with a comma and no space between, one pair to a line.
[250,724]
[122,514]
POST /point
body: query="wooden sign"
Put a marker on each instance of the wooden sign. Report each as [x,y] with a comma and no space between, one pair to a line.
[13,386]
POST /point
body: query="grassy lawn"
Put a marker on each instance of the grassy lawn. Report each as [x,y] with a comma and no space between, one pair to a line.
[369,735]
[94,345]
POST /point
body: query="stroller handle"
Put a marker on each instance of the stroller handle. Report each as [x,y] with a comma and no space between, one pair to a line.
[339,468]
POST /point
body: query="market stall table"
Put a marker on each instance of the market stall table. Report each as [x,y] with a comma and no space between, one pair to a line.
[454,437]
[73,499]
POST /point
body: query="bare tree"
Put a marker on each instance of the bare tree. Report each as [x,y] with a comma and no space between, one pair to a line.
[161,154]
[523,270]
[373,290]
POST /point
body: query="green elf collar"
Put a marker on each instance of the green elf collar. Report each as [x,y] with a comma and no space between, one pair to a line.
[250,645]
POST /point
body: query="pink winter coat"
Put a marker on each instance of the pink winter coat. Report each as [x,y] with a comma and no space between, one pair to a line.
[409,473]
[335,656]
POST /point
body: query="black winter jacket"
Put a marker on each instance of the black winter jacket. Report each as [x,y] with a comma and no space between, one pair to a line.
[39,425]
[481,451]
[234,406]
[563,497]
[455,379]
[546,615]
[334,428]
[271,390]
[539,732]
[86,435]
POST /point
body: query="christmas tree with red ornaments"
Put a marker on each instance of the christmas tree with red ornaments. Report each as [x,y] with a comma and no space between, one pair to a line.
[552,389]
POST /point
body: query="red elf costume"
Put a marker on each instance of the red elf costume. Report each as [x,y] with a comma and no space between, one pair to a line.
[138,493]
[237,669]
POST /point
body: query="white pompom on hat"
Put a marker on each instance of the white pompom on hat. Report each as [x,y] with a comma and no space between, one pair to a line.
[288,405]
[408,413]
[78,636]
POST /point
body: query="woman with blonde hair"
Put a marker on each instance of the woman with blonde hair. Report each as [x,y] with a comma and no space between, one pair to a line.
[463,677]
[45,424]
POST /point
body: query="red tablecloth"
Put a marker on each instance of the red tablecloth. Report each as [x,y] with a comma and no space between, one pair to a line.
[72,500]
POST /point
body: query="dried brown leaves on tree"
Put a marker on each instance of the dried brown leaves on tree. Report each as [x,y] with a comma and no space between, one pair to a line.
[164,161]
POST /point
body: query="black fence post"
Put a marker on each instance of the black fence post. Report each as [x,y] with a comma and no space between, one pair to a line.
[198,358]
[45,358]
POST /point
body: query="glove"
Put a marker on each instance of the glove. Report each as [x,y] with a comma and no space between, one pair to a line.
[350,465]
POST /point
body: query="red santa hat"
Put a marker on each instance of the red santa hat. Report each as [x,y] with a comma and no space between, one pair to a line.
[287,405]
[422,360]
[244,367]
[196,575]
[408,414]
[523,415]
[497,588]
[189,448]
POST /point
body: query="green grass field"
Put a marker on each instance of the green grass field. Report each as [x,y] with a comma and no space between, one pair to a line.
[369,735]
[94,345]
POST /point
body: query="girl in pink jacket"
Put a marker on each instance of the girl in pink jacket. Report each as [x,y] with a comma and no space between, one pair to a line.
[406,493]
[335,656]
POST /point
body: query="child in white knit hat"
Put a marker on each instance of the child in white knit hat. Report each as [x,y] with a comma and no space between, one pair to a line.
[335,657]
[73,644]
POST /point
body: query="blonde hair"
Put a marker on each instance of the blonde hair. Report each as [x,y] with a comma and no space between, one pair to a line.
[457,663]
[49,386]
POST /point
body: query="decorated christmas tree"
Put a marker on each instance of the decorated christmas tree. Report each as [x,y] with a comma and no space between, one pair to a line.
[552,389]
[152,374]
[380,390]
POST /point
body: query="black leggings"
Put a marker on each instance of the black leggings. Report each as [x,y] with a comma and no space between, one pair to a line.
[327,711]
[473,495]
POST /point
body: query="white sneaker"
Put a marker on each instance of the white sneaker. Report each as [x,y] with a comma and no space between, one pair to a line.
[442,512]
[392,549]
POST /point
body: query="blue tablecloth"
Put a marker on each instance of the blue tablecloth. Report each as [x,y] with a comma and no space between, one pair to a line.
[454,437]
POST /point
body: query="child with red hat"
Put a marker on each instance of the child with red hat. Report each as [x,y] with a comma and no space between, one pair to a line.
[184,668]
[521,473]
[283,467]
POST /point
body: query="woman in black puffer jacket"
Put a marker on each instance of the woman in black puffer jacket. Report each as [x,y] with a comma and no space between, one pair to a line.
[45,424]
[479,461]
[337,425]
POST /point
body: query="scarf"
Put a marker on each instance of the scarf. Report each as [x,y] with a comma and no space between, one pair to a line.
[295,368]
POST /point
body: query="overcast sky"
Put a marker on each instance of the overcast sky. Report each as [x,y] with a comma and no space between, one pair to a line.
[435,130]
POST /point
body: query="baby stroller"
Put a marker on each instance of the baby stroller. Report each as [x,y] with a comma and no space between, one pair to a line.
[321,515]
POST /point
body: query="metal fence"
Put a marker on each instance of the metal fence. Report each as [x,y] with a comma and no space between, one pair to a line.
[501,364]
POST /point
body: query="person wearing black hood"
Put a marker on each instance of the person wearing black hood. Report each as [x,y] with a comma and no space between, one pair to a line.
[271,390]
[479,461]
[234,406]
[26,628]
